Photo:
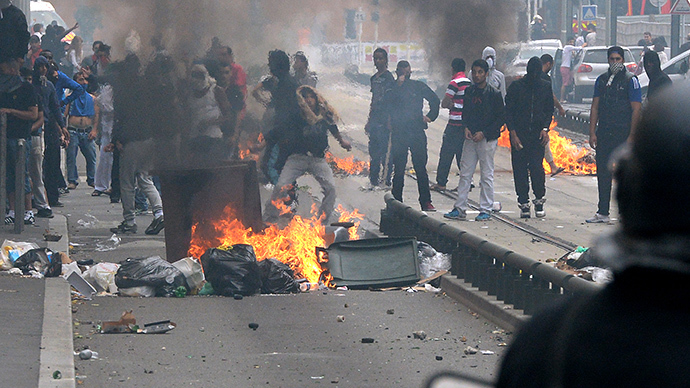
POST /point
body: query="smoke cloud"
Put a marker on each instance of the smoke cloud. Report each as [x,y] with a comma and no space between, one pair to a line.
[462,28]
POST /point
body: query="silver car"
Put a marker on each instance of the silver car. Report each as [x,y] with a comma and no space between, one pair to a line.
[590,63]
[676,68]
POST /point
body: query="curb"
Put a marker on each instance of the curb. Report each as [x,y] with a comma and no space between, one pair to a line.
[57,346]
[484,304]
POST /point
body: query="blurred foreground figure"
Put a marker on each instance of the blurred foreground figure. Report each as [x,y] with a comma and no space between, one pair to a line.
[630,333]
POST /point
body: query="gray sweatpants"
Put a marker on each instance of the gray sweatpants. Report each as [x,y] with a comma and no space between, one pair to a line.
[135,162]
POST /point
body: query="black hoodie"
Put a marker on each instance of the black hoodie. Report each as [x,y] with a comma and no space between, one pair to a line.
[657,78]
[529,102]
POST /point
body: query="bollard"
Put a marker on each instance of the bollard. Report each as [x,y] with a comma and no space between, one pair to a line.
[19,193]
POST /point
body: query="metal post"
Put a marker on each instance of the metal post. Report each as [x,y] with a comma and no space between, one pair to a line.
[565,21]
[675,35]
[3,161]
[613,22]
[19,193]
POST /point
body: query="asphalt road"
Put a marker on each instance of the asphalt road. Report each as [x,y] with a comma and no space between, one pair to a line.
[299,341]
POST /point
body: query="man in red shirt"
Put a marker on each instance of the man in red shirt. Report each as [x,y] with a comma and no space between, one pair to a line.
[454,135]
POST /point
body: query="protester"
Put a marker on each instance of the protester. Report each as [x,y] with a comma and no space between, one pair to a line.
[75,54]
[408,131]
[132,137]
[658,80]
[377,127]
[483,117]
[646,40]
[538,28]
[546,67]
[454,134]
[82,124]
[20,104]
[566,62]
[55,134]
[614,118]
[591,38]
[659,45]
[495,78]
[605,339]
[303,75]
[34,52]
[105,159]
[62,81]
[529,108]
[14,36]
[307,150]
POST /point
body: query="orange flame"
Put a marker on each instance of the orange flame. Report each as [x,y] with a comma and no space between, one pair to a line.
[575,159]
[348,166]
[294,245]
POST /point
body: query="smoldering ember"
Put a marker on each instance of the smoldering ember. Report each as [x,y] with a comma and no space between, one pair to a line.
[356,193]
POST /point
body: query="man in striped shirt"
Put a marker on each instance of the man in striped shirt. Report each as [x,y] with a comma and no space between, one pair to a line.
[454,135]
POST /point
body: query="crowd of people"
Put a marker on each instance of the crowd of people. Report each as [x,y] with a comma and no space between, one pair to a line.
[120,115]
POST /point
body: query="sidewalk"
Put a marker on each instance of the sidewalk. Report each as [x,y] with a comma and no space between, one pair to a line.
[36,337]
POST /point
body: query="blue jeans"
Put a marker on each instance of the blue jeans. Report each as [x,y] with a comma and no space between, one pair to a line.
[80,141]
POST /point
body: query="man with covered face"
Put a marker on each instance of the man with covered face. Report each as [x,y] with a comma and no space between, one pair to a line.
[495,77]
[529,104]
[614,117]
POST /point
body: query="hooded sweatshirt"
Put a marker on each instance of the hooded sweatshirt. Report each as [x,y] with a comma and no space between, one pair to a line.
[495,78]
[312,139]
[529,102]
[657,78]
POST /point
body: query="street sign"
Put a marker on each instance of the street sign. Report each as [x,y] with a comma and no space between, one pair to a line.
[658,3]
[589,13]
[360,17]
[681,7]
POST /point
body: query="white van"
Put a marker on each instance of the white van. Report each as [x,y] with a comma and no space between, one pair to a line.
[43,12]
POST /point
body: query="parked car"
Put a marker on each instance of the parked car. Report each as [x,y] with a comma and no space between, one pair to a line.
[590,63]
[536,48]
[676,68]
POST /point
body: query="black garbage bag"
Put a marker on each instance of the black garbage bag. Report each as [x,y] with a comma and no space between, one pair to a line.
[150,271]
[232,271]
[277,277]
[39,260]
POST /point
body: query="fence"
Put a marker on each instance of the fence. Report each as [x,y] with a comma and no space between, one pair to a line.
[514,279]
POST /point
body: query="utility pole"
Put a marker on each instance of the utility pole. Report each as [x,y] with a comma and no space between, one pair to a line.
[675,35]
[612,21]
[565,20]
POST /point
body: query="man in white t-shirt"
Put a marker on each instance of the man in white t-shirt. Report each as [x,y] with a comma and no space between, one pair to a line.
[591,37]
[566,77]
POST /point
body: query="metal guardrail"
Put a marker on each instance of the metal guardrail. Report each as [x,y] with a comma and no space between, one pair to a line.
[513,278]
[574,120]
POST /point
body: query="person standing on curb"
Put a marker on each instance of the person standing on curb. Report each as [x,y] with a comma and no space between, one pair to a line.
[483,118]
[408,131]
[378,124]
[454,135]
[82,124]
[614,117]
[529,105]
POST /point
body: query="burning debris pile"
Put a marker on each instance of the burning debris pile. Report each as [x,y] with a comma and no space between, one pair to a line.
[293,245]
[347,166]
[576,160]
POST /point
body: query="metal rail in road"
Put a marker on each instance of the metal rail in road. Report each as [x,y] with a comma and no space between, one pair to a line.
[515,279]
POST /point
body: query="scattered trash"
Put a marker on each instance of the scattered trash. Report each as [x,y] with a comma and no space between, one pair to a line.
[305,287]
[367,340]
[207,289]
[470,350]
[340,318]
[102,276]
[253,326]
[90,221]
[151,272]
[12,250]
[128,324]
[439,358]
[142,291]
[82,286]
[87,354]
[596,274]
[430,288]
[232,270]
[431,262]
[108,245]
[238,297]
[390,311]
[51,237]
[277,277]
[67,269]
[39,260]
[317,377]
[192,271]
[180,292]
[57,375]
[420,334]
[487,352]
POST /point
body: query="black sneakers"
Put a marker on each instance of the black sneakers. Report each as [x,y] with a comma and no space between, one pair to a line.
[156,226]
[124,228]
[44,213]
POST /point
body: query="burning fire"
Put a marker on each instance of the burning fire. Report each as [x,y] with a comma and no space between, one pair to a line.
[247,150]
[348,166]
[576,160]
[294,245]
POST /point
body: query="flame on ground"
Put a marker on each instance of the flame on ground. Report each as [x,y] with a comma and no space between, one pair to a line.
[576,160]
[348,165]
[294,245]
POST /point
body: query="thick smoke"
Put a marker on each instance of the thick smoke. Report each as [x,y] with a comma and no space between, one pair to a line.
[462,28]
